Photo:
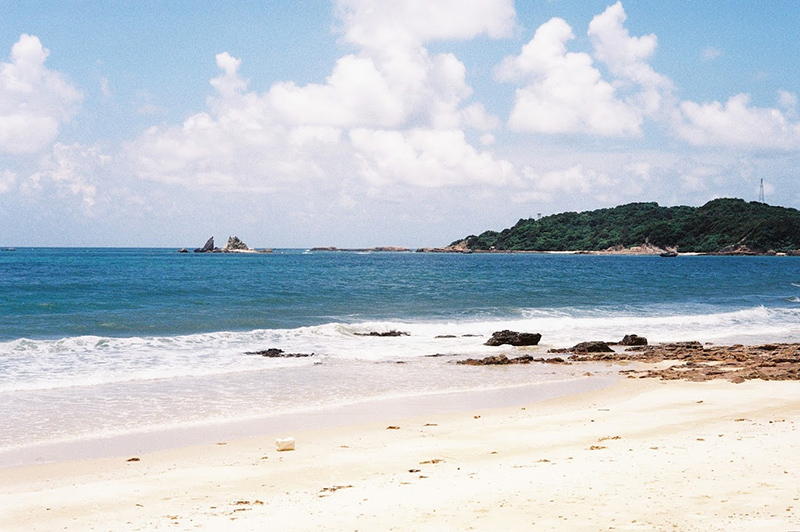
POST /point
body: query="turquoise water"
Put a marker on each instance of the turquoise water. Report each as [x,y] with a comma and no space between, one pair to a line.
[110,341]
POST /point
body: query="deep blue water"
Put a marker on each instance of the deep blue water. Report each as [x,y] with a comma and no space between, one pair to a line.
[55,293]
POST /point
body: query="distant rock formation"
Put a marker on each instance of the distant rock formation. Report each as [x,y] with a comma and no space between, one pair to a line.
[234,244]
[385,249]
[208,248]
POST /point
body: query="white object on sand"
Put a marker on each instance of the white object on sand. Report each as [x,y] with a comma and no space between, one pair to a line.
[285,444]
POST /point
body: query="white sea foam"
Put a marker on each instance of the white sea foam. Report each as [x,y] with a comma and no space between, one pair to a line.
[90,360]
[86,386]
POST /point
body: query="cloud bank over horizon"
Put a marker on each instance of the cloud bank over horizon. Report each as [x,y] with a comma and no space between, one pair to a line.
[394,139]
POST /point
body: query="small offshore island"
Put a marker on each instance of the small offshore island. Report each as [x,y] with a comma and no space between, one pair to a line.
[720,227]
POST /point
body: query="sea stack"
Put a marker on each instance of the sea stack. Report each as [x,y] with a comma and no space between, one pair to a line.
[209,247]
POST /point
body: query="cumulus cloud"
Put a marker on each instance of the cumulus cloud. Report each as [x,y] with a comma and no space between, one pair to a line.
[391,92]
[7,181]
[566,93]
[738,123]
[71,168]
[34,101]
[426,158]
[576,179]
[381,25]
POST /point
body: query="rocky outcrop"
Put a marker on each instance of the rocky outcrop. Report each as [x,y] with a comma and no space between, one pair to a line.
[234,244]
[513,338]
[386,334]
[585,347]
[633,340]
[503,360]
[278,353]
[208,248]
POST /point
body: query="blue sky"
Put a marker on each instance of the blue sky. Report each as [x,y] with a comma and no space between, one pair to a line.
[359,122]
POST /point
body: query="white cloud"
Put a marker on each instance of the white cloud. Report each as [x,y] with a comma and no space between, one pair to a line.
[71,168]
[34,101]
[386,25]
[426,158]
[577,179]
[737,123]
[391,92]
[7,181]
[710,53]
[566,93]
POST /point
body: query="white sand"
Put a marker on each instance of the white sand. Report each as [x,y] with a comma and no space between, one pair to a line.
[641,455]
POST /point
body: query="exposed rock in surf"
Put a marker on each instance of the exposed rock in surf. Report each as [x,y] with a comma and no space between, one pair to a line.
[209,247]
[503,360]
[183,250]
[278,353]
[633,340]
[513,338]
[383,334]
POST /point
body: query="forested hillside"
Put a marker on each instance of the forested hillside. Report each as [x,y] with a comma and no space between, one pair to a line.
[718,226]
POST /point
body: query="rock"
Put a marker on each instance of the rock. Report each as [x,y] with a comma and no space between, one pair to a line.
[591,347]
[208,248]
[234,244]
[513,338]
[633,340]
[383,334]
[496,360]
[278,353]
[183,250]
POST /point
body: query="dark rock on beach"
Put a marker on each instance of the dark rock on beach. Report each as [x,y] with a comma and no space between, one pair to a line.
[513,338]
[503,360]
[633,340]
[383,334]
[278,353]
[586,347]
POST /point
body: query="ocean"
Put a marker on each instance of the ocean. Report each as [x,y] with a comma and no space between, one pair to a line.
[107,342]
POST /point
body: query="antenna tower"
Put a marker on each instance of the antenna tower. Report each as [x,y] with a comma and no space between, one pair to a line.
[761,192]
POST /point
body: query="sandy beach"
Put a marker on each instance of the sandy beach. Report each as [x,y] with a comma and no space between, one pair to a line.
[642,454]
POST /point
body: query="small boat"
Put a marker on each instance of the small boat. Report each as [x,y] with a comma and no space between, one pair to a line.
[669,254]
[7,249]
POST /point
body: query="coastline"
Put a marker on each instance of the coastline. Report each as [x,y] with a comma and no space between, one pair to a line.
[641,454]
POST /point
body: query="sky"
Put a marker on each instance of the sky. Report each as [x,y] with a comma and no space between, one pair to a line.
[357,123]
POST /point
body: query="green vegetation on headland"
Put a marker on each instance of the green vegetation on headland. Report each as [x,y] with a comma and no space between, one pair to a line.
[720,226]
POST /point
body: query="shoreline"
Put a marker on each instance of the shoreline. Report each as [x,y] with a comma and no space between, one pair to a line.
[640,454]
[328,417]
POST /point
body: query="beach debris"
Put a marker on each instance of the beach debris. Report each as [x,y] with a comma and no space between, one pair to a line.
[134,459]
[513,338]
[413,470]
[596,447]
[392,427]
[278,353]
[432,461]
[385,334]
[335,488]
[447,336]
[284,444]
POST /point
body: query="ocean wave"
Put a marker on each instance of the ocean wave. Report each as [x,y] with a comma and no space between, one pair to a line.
[91,360]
